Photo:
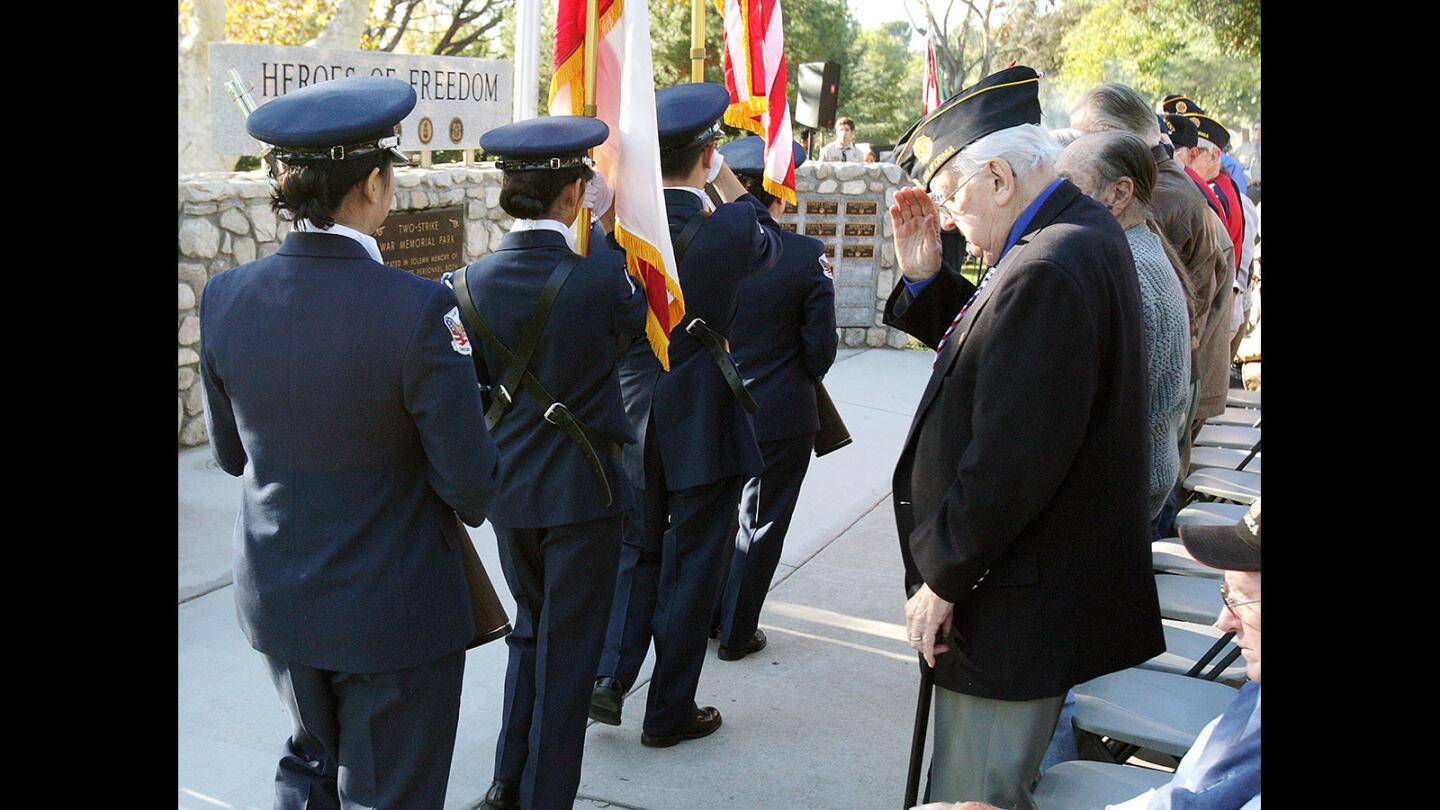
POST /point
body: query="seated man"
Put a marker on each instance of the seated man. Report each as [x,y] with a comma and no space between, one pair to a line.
[1222,769]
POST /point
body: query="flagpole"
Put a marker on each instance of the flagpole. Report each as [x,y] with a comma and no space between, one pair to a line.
[592,53]
[697,40]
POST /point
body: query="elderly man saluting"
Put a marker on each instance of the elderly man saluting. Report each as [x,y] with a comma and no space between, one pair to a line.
[1020,493]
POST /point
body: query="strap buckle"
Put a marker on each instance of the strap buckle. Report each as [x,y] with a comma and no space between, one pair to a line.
[502,395]
[337,153]
[695,328]
[557,414]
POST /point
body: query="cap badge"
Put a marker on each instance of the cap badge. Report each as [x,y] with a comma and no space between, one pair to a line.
[923,147]
[1181,107]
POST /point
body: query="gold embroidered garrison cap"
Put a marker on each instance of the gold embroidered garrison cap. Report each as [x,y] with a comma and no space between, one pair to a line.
[998,101]
[1206,127]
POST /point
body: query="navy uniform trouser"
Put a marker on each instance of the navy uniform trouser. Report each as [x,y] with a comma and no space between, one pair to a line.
[766,505]
[381,739]
[671,567]
[562,606]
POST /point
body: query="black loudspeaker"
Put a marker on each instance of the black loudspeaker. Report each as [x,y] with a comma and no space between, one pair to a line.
[818,85]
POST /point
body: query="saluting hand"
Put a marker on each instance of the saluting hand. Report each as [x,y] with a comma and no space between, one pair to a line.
[916,221]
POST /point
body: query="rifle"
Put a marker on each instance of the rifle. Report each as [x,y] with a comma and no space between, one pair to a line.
[240,94]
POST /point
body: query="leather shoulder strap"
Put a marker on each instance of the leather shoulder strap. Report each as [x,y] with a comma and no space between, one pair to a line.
[687,234]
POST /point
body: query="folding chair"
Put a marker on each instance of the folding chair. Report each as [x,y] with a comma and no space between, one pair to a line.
[1093,785]
[1240,398]
[1123,712]
[1171,557]
[1239,438]
[1244,417]
[1208,513]
[1224,458]
[1228,485]
[1188,599]
[1190,648]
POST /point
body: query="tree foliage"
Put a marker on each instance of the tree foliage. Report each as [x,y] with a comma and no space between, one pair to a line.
[276,22]
[442,27]
[883,89]
[1160,47]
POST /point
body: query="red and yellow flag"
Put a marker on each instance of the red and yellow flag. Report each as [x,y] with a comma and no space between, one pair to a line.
[630,157]
[755,75]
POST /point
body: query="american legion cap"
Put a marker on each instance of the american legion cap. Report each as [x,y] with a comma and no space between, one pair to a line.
[998,101]
[688,115]
[1206,127]
[1181,129]
[550,142]
[337,120]
[747,155]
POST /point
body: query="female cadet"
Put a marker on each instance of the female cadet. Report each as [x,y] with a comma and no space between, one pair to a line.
[783,340]
[547,325]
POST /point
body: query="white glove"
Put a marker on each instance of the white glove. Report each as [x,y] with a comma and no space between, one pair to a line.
[715,164]
[598,195]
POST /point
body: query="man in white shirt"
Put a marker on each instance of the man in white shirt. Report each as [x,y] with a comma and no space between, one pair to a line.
[843,148]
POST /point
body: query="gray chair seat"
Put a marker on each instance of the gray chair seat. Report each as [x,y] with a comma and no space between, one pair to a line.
[1244,417]
[1223,457]
[1185,642]
[1189,599]
[1240,438]
[1232,485]
[1211,514]
[1241,398]
[1171,557]
[1155,710]
[1093,785]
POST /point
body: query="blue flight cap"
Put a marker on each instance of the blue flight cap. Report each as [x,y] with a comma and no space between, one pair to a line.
[687,115]
[340,119]
[551,142]
[747,155]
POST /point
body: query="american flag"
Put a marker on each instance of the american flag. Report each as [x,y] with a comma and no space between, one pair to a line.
[932,78]
[755,76]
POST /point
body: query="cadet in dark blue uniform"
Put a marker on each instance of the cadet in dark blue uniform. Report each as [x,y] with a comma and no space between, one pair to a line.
[562,494]
[342,390]
[784,341]
[697,443]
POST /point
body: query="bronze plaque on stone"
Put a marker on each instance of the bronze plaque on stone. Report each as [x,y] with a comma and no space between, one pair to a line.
[787,226]
[819,229]
[859,252]
[790,208]
[859,230]
[830,250]
[427,243]
[825,208]
[860,208]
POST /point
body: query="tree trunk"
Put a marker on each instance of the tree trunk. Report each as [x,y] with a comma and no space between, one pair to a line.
[346,26]
[195,152]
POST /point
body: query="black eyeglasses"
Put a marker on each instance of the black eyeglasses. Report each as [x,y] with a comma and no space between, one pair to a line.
[1231,604]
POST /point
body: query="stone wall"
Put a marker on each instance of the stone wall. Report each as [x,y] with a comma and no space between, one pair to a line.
[224,220]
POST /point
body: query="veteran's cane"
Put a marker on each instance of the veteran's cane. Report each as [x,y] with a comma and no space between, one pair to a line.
[922,725]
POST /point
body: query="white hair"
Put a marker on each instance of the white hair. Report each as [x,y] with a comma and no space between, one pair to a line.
[1204,145]
[1066,136]
[1027,148]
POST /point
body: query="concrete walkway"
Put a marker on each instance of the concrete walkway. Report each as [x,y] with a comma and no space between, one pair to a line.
[820,718]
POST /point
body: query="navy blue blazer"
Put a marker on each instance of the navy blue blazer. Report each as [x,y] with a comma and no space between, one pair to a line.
[333,387]
[784,337]
[545,479]
[705,434]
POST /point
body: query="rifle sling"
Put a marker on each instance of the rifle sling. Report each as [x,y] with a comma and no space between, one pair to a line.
[713,341]
[554,412]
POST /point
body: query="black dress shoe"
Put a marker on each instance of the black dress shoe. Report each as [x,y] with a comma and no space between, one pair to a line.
[707,719]
[607,700]
[757,643]
[502,795]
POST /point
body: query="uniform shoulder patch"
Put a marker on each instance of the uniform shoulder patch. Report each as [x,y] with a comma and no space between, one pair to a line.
[826,268]
[459,341]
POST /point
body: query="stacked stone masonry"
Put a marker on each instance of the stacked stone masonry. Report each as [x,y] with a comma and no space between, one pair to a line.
[225,220]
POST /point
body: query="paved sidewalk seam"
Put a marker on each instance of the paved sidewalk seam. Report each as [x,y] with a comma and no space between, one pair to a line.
[611,802]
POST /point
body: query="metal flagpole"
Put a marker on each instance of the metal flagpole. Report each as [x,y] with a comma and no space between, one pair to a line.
[592,47]
[697,40]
